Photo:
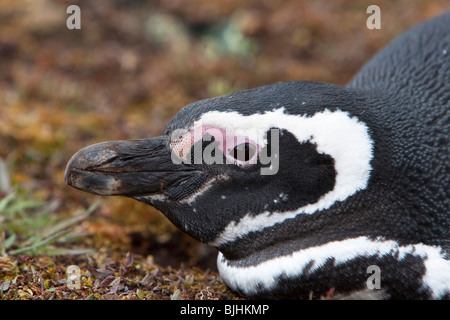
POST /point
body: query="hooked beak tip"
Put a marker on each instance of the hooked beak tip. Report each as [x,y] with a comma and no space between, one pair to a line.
[126,167]
[78,170]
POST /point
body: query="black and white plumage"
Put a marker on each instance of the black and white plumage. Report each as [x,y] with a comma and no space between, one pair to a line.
[361,177]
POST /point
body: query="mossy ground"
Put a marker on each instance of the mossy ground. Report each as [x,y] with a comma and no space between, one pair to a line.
[45,278]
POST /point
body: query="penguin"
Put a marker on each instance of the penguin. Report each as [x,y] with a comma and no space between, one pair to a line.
[306,187]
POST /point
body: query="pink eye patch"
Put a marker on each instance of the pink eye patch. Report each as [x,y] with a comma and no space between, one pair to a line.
[236,149]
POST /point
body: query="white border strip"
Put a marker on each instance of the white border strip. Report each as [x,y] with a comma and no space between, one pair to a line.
[265,274]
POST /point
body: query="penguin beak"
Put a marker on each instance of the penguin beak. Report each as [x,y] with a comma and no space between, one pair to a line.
[127,167]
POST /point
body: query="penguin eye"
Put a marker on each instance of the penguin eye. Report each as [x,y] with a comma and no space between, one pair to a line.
[243,152]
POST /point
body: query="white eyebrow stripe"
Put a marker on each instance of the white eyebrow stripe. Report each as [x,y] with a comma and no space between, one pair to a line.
[345,138]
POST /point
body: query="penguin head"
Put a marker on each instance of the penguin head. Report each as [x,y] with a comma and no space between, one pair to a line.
[233,165]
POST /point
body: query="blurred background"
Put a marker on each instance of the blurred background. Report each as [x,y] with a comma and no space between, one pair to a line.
[130,68]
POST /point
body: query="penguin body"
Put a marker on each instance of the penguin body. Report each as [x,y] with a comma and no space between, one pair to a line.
[304,186]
